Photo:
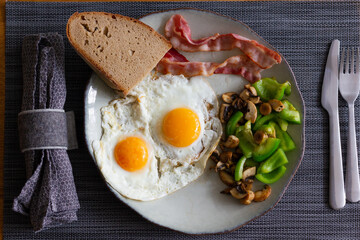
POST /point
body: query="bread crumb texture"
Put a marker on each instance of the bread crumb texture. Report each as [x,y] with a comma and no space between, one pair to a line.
[120,49]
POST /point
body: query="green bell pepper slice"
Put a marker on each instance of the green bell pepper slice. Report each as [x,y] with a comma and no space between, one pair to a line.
[251,163]
[239,168]
[289,113]
[246,142]
[239,129]
[288,89]
[266,149]
[247,125]
[258,152]
[232,124]
[259,115]
[269,88]
[287,143]
[276,160]
[256,121]
[283,124]
[258,112]
[269,129]
[271,177]
[263,120]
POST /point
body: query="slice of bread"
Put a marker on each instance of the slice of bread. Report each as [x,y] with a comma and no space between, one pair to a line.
[121,50]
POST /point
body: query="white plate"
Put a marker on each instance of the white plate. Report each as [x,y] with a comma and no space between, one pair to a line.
[200,208]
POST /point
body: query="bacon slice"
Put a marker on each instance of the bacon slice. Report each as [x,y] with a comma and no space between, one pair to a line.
[175,56]
[240,65]
[175,63]
[179,34]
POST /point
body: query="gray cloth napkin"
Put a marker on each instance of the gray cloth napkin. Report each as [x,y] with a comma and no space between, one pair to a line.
[49,196]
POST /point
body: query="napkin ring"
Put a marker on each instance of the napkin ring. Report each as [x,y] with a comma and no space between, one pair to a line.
[46,129]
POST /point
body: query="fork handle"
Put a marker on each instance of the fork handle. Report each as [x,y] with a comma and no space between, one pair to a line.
[336,178]
[352,183]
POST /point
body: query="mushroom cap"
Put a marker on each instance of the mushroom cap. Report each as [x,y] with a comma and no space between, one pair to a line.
[229,97]
[277,105]
[236,194]
[245,95]
[251,89]
[226,178]
[251,112]
[262,195]
[226,111]
[249,172]
[265,109]
[231,142]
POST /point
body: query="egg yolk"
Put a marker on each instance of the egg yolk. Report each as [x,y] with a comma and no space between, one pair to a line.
[181,127]
[131,154]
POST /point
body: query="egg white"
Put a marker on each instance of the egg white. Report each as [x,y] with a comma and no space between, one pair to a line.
[140,114]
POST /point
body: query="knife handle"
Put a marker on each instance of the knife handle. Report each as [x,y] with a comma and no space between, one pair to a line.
[336,178]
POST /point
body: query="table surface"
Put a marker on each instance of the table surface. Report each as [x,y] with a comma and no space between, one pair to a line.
[2,106]
[2,88]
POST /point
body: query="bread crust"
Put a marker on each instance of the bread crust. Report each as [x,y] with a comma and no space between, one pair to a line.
[111,80]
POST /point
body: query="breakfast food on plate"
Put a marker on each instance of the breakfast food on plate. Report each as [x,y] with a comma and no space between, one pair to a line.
[256,56]
[158,139]
[256,122]
[121,50]
[179,33]
[175,63]
[255,119]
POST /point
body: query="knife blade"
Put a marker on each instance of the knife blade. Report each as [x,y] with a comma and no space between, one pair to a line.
[329,100]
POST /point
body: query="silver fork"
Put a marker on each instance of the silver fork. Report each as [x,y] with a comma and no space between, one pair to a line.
[349,85]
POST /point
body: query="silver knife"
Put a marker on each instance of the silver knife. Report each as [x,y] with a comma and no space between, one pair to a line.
[329,100]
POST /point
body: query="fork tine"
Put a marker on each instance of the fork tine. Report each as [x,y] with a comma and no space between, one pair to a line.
[352,60]
[342,60]
[358,61]
[347,62]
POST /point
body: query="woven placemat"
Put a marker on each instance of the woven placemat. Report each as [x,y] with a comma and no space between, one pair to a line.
[301,31]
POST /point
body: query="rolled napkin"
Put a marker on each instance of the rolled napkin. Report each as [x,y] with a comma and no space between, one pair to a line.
[49,196]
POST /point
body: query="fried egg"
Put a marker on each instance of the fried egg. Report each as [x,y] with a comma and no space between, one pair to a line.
[158,138]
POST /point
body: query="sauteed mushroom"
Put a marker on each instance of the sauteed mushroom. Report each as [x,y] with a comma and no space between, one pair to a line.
[229,163]
[236,194]
[226,178]
[246,185]
[225,156]
[251,89]
[248,199]
[215,156]
[245,95]
[220,166]
[225,112]
[231,142]
[251,112]
[238,104]
[265,109]
[262,195]
[277,105]
[255,100]
[249,172]
[229,97]
[260,137]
